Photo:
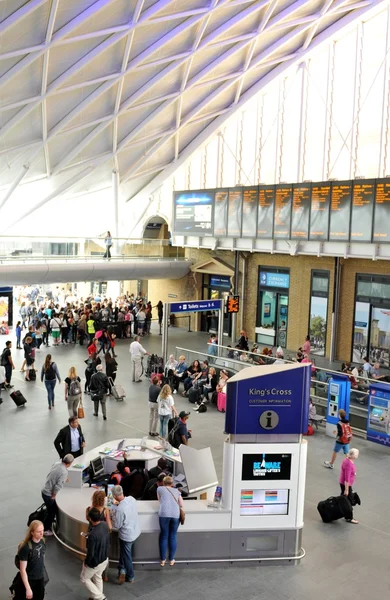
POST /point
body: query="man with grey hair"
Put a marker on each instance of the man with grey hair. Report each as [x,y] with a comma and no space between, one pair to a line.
[55,481]
[99,387]
[137,352]
[126,521]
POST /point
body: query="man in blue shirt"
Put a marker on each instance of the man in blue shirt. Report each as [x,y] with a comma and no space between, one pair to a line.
[127,524]
[182,431]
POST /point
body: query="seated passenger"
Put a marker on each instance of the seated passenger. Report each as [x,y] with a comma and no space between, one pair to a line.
[134,484]
[312,412]
[162,467]
[150,492]
[179,373]
[117,476]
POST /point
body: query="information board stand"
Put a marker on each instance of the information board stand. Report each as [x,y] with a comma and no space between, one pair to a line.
[378,418]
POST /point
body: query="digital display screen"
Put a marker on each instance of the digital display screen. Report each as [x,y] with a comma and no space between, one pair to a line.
[266,467]
[340,211]
[300,212]
[4,314]
[264,502]
[382,212]
[363,195]
[319,216]
[220,213]
[97,465]
[265,214]
[249,212]
[234,213]
[194,212]
[282,217]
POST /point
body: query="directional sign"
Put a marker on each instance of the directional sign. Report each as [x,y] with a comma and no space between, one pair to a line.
[197,306]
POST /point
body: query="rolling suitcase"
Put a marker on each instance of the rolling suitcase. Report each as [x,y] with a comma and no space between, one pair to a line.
[334,508]
[18,398]
[117,391]
[32,374]
[193,395]
[40,514]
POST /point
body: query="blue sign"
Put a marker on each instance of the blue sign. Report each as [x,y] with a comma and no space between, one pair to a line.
[197,306]
[220,281]
[269,403]
[360,324]
[276,280]
[378,418]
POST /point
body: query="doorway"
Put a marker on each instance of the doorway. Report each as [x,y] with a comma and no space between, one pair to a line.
[272,319]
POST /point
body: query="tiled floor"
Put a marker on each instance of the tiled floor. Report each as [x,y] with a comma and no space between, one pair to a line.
[342,560]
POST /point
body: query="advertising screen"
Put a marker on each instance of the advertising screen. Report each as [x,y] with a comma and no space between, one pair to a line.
[234,213]
[282,217]
[4,311]
[382,212]
[194,212]
[363,195]
[249,212]
[266,467]
[300,212]
[264,502]
[340,211]
[265,214]
[319,216]
[220,213]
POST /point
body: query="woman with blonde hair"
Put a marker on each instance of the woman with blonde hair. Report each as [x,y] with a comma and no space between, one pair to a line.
[30,581]
[169,517]
[166,407]
[72,391]
[97,501]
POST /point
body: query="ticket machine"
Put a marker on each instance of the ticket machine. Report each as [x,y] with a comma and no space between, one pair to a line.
[338,398]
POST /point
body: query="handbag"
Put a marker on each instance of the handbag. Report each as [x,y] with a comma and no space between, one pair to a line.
[182,517]
[80,411]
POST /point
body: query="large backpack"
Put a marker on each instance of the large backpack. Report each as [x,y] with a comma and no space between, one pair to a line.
[4,359]
[74,387]
[346,435]
[173,432]
[50,373]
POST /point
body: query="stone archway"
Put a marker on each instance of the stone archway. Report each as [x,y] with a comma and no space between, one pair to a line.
[156,228]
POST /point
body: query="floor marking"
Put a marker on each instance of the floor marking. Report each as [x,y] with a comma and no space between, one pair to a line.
[132,427]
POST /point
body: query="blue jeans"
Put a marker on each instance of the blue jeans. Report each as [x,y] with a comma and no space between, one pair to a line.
[125,564]
[164,425]
[50,385]
[168,537]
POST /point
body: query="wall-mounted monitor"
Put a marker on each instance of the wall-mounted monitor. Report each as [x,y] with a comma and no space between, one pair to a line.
[194,212]
[340,211]
[249,212]
[266,467]
[254,503]
[220,213]
[300,211]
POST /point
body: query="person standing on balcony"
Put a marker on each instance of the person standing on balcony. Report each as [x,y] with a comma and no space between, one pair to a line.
[108,242]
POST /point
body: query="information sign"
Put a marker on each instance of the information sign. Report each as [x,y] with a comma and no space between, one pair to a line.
[234,212]
[197,306]
[282,217]
[300,212]
[382,212]
[265,214]
[363,195]
[319,215]
[249,212]
[220,213]
[340,211]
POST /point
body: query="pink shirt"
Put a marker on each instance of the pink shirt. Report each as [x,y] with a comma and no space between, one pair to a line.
[306,347]
[348,472]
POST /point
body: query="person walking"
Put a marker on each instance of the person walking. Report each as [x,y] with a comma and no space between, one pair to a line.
[344,436]
[111,369]
[55,481]
[169,518]
[154,392]
[127,523]
[18,332]
[70,439]
[91,329]
[30,581]
[137,352]
[72,391]
[92,362]
[29,358]
[108,243]
[347,479]
[97,502]
[49,375]
[8,364]
[99,387]
[166,407]
[82,329]
[55,326]
[96,560]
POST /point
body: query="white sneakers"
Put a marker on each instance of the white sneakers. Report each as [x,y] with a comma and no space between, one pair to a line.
[328,465]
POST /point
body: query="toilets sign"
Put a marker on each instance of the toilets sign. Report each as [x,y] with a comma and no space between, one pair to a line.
[197,306]
[272,399]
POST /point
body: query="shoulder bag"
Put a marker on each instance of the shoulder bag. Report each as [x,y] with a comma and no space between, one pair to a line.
[182,517]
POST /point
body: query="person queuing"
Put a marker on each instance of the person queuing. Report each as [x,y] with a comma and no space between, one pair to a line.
[127,523]
[8,364]
[96,560]
[70,439]
[98,501]
[55,326]
[72,391]
[30,580]
[347,479]
[166,407]
[55,481]
[169,518]
[137,352]
[100,387]
[154,392]
[49,375]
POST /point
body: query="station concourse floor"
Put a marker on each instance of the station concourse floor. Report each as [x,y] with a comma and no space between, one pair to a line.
[342,560]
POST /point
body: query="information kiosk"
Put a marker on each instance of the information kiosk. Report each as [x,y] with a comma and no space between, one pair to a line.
[378,418]
[339,390]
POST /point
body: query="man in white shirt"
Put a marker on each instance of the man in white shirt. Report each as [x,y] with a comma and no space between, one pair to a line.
[137,352]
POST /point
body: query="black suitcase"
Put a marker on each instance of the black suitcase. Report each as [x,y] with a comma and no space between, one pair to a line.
[32,374]
[18,398]
[334,508]
[40,514]
[193,395]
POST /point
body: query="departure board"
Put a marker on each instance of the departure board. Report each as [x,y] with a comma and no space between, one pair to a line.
[249,212]
[319,215]
[363,195]
[193,212]
[340,211]
[282,215]
[300,211]
[265,214]
[234,212]
[382,212]
[220,213]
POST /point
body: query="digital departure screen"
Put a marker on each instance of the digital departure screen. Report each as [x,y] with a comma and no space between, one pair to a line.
[319,216]
[234,212]
[249,212]
[265,467]
[282,216]
[340,211]
[300,212]
[220,213]
[194,212]
[264,502]
[265,214]
[363,195]
[382,212]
